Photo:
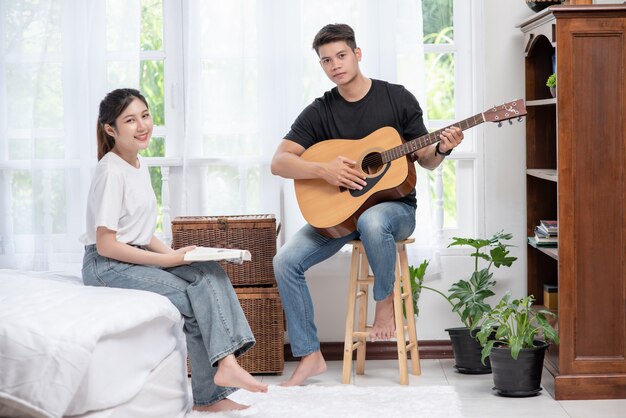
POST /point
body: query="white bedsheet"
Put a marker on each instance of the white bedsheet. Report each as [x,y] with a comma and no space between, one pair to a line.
[69,349]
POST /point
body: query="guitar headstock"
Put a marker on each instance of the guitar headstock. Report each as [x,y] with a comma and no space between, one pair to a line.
[506,111]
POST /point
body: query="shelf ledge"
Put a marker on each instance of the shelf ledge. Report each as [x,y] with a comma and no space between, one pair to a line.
[552,252]
[542,102]
[546,174]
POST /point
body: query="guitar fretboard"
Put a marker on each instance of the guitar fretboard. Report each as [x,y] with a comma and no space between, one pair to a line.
[428,139]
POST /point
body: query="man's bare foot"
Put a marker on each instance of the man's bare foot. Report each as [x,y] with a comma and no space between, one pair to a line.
[231,374]
[223,405]
[309,366]
[384,327]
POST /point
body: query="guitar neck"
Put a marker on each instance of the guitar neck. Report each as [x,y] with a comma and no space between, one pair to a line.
[428,139]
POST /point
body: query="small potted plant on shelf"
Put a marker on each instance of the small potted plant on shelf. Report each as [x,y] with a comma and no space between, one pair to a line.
[551,83]
[467,298]
[516,352]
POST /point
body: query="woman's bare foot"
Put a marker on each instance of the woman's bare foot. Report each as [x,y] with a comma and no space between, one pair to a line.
[223,405]
[231,374]
[384,327]
[309,366]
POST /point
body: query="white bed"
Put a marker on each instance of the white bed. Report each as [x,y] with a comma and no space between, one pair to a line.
[72,350]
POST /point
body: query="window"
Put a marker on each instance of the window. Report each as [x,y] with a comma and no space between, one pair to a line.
[218,117]
[447,53]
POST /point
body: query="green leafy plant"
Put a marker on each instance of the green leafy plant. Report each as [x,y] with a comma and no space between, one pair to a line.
[416,279]
[551,81]
[516,324]
[467,297]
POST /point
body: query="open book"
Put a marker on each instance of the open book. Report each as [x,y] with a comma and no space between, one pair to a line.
[217,254]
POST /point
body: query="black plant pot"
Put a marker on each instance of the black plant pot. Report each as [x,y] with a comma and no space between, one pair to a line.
[467,351]
[521,377]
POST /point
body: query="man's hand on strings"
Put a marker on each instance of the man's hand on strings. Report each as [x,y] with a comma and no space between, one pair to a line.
[341,172]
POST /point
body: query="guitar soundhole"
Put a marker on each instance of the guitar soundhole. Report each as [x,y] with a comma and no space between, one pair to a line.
[372,163]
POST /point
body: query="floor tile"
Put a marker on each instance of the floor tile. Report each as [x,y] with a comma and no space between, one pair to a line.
[605,408]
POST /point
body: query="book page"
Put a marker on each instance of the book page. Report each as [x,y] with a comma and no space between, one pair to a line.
[216,254]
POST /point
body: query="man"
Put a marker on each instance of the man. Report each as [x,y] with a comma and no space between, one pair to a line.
[352,110]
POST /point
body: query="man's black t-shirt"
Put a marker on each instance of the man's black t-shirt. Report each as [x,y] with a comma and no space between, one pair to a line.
[333,117]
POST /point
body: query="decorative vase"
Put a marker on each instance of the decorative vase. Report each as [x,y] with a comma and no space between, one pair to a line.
[553,91]
[519,377]
[538,5]
[467,351]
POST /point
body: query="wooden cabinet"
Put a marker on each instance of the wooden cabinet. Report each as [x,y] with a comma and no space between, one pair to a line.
[576,173]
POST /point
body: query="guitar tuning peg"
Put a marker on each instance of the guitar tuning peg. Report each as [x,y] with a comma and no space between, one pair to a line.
[519,119]
[499,124]
[510,122]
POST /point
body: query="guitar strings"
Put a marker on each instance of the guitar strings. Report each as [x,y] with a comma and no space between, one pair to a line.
[378,159]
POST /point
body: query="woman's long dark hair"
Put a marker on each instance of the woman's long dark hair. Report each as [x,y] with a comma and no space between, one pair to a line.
[111,107]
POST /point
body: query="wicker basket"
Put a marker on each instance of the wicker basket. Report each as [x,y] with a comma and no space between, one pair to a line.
[264,312]
[265,315]
[255,233]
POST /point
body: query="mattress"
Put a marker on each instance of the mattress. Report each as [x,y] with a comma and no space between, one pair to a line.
[68,349]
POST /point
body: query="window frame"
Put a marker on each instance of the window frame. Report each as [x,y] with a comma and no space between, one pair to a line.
[469,160]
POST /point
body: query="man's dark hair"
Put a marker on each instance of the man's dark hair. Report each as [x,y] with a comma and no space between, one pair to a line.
[333,33]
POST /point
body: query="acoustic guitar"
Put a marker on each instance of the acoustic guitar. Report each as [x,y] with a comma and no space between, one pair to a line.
[382,156]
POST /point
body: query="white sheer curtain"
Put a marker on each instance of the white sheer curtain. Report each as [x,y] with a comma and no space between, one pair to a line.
[50,81]
[248,70]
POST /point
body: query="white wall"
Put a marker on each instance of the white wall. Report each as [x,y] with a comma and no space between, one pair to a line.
[500,79]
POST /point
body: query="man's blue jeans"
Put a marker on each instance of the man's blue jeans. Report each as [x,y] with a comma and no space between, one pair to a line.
[379,227]
[215,325]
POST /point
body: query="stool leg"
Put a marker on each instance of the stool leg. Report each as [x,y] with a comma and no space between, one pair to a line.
[362,324]
[401,342]
[347,345]
[410,312]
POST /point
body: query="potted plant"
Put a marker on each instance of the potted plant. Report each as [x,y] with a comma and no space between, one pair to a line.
[416,279]
[551,83]
[516,353]
[467,298]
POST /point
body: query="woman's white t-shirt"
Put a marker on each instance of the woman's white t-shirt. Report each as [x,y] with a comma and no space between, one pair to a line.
[121,199]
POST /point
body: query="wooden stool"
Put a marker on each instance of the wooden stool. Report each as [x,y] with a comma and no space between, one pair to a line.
[358,288]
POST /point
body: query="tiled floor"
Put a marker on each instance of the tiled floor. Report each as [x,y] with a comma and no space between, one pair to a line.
[474,391]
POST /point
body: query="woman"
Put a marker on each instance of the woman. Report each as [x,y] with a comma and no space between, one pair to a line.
[122,251]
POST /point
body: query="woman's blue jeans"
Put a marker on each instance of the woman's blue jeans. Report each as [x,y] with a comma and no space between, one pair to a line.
[215,325]
[379,227]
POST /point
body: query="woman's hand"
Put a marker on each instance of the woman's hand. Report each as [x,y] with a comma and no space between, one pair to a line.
[155,254]
[177,258]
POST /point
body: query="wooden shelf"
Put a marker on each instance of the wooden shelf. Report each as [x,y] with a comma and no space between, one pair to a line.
[553,252]
[545,174]
[536,307]
[583,186]
[542,102]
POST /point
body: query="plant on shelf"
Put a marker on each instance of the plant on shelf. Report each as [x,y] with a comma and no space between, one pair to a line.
[551,83]
[516,352]
[467,297]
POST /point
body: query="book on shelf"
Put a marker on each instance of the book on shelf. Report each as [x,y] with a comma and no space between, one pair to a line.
[218,254]
[543,242]
[542,233]
[549,226]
